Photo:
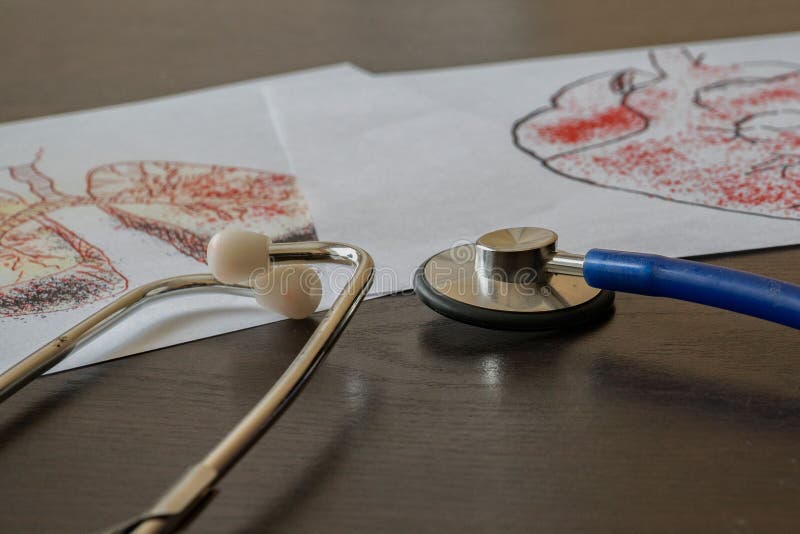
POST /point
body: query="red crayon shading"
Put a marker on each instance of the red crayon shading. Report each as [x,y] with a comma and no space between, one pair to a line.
[720,136]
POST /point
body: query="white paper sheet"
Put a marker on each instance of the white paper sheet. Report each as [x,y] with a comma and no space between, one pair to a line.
[407,165]
[121,195]
[702,123]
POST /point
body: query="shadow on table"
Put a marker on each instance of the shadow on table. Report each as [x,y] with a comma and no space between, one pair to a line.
[323,467]
[641,382]
[446,338]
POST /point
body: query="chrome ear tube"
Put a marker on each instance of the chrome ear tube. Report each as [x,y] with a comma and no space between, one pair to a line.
[189,492]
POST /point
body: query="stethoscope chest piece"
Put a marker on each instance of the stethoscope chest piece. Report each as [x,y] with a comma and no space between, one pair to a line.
[511,279]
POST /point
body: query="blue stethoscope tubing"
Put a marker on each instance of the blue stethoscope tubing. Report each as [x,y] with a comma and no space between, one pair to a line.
[659,276]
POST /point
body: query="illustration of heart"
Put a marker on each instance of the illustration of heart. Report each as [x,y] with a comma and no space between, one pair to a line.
[726,137]
[45,267]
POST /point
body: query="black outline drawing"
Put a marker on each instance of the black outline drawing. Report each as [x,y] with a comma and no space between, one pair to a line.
[621,82]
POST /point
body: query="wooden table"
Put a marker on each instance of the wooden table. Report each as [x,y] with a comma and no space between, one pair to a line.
[669,417]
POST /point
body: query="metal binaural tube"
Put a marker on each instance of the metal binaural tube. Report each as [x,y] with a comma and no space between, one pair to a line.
[200,479]
[46,357]
[233,446]
[189,491]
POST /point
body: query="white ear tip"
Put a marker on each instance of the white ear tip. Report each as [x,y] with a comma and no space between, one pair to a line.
[293,290]
[233,255]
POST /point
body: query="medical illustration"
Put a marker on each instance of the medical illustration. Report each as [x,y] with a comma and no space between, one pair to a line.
[46,267]
[721,136]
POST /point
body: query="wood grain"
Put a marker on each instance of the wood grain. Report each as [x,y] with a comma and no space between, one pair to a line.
[667,417]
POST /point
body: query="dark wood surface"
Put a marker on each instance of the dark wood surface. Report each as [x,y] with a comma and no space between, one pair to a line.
[668,417]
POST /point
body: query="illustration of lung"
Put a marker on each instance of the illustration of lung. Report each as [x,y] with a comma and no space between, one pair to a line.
[726,137]
[44,267]
[184,204]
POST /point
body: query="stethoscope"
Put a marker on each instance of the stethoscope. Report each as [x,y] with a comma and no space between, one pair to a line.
[241,262]
[516,279]
[513,279]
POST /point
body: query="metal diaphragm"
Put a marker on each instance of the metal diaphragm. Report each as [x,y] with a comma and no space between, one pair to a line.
[500,283]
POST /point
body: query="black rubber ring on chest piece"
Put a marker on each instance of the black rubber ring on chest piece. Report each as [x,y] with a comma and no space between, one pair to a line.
[591,310]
